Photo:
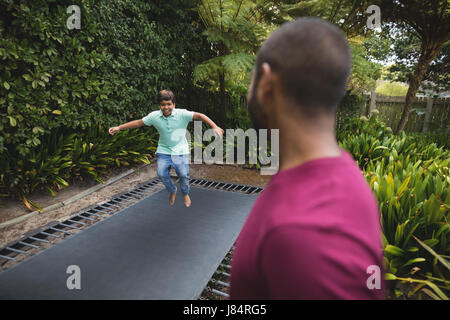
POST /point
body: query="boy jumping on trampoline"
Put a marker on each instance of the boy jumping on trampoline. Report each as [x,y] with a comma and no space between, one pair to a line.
[173,149]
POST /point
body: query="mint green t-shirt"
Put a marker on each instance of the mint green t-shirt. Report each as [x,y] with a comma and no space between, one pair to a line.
[172,130]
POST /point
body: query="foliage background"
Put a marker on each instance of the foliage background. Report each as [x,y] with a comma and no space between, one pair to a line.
[109,71]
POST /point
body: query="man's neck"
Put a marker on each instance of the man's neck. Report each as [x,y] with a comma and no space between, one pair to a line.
[303,142]
[294,152]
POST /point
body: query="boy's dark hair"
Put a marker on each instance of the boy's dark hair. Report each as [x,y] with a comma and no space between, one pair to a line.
[313,60]
[165,95]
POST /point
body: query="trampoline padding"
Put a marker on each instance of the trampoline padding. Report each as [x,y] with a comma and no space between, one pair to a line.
[149,250]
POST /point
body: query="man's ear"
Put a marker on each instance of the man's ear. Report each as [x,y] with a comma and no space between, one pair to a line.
[265,89]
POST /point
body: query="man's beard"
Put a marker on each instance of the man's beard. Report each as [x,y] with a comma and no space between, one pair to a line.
[255,109]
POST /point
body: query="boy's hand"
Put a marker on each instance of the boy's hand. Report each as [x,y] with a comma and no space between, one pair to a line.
[218,131]
[113,130]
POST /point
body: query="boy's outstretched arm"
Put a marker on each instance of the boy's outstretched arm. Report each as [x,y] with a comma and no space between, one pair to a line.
[128,125]
[207,120]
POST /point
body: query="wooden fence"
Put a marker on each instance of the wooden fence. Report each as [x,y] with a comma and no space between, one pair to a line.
[427,114]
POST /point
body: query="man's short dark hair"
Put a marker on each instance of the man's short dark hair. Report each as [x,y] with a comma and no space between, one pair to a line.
[313,60]
[166,95]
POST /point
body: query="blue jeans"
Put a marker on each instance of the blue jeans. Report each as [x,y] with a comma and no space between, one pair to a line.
[181,165]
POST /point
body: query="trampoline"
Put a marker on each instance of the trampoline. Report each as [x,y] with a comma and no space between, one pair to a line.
[147,250]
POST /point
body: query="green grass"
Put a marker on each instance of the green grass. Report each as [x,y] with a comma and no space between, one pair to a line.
[396,89]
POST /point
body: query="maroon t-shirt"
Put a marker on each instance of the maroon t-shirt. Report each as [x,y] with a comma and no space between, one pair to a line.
[312,234]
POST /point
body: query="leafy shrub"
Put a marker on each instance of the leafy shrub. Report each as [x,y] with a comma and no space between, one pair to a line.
[410,177]
[109,70]
[64,157]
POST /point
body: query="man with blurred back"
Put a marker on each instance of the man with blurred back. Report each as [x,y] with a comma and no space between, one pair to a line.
[314,232]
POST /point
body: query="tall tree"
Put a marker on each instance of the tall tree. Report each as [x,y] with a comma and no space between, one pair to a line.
[406,50]
[349,15]
[235,29]
[429,21]
[365,71]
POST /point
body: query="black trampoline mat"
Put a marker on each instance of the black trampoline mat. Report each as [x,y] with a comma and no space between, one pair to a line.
[150,250]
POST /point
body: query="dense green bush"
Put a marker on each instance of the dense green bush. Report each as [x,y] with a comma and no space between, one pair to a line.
[410,177]
[152,45]
[55,83]
[110,70]
[49,75]
[64,157]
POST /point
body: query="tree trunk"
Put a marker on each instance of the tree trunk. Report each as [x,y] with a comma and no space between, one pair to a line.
[428,51]
[223,111]
[222,92]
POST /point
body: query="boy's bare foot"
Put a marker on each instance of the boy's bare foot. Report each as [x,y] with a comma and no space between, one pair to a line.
[172,198]
[187,200]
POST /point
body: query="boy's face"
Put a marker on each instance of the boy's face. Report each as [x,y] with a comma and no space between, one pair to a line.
[166,107]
